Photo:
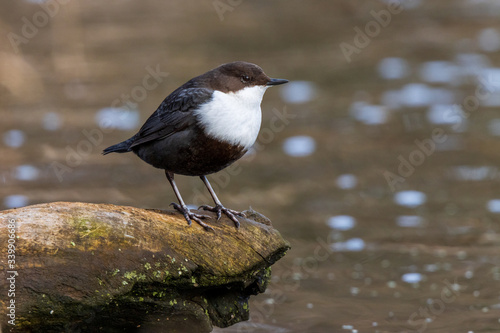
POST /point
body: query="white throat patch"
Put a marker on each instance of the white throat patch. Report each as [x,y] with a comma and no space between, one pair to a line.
[233,117]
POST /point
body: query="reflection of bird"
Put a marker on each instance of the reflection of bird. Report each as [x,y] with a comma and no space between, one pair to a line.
[202,127]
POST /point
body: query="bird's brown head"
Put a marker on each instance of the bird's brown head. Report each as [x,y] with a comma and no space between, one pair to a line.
[237,75]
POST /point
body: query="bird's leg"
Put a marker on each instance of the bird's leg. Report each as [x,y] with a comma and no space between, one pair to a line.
[182,208]
[219,208]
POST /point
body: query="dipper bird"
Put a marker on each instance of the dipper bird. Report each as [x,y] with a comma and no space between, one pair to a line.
[202,127]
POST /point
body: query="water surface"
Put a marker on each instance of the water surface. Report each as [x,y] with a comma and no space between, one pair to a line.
[378,164]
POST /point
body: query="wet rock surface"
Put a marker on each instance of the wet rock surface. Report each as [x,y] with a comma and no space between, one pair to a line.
[101,267]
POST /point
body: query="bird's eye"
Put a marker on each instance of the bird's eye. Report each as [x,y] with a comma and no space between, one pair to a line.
[245,78]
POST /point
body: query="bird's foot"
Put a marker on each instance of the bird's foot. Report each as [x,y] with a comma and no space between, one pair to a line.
[192,216]
[219,209]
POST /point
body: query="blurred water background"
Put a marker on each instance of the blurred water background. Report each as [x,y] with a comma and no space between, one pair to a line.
[379,161]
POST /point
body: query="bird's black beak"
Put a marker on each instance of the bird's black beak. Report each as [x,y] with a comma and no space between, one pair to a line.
[275,82]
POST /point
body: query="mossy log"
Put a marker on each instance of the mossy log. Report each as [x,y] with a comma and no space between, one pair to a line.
[99,267]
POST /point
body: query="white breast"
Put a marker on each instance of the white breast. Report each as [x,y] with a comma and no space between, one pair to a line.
[233,117]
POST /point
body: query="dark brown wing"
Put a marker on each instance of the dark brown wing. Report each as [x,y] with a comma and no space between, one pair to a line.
[173,115]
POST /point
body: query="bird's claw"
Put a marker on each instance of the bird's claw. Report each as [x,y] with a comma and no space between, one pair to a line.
[219,209]
[192,216]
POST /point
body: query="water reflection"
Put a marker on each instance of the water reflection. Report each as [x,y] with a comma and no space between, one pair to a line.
[447,114]
[393,68]
[26,172]
[494,206]
[298,92]
[489,40]
[410,198]
[118,118]
[14,138]
[439,72]
[474,173]
[51,121]
[490,78]
[353,244]
[493,100]
[412,277]
[471,64]
[15,201]
[410,221]
[347,181]
[416,95]
[341,222]
[299,146]
[369,114]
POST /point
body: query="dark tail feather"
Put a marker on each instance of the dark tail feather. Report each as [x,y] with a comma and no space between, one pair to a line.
[122,147]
